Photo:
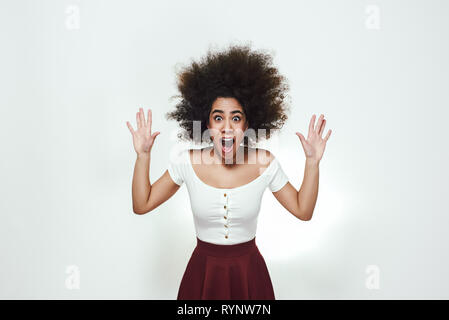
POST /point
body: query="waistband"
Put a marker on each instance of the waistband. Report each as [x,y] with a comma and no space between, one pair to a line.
[226,250]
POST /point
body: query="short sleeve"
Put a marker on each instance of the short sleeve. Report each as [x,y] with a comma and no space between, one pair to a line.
[176,167]
[278,178]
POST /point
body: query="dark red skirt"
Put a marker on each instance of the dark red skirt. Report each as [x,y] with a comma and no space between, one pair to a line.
[226,272]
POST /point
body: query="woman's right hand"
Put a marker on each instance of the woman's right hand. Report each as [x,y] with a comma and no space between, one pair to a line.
[143,140]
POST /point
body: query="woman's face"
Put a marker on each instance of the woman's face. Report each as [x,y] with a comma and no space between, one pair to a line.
[227,120]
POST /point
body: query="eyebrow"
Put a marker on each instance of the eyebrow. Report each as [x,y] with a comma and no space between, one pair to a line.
[221,111]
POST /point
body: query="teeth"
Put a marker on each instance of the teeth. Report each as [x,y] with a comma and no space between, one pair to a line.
[227,141]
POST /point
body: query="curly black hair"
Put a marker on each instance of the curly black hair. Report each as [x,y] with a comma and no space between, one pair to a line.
[248,76]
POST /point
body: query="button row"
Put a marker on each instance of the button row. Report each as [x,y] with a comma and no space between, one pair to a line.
[226,226]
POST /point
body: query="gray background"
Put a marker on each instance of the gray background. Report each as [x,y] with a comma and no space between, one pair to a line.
[73,72]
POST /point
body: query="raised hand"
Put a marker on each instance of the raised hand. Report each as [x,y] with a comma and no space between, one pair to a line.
[314,145]
[143,140]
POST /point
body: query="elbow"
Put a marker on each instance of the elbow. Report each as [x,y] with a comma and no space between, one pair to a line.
[140,211]
[143,209]
[303,216]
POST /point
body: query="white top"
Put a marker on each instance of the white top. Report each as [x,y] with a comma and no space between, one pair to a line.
[225,216]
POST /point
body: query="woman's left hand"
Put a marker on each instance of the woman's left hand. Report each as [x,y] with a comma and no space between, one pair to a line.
[314,145]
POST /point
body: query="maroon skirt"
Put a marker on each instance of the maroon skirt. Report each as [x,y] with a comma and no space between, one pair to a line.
[226,272]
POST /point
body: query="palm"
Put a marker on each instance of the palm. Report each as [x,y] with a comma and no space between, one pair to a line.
[143,139]
[314,145]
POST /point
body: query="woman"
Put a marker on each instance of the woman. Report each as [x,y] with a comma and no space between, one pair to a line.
[230,95]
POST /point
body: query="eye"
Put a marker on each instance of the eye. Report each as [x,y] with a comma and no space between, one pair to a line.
[238,118]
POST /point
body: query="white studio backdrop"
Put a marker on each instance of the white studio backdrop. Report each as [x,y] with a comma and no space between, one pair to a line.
[73,72]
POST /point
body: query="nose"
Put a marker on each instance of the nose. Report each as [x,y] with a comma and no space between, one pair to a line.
[227,127]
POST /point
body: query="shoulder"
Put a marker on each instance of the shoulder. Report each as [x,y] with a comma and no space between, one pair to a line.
[261,156]
[179,157]
[199,156]
[190,152]
[196,151]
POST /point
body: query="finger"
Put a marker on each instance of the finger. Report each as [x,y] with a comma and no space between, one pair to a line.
[301,138]
[311,124]
[322,128]
[139,125]
[130,127]
[149,119]
[327,135]
[319,123]
[142,117]
[156,134]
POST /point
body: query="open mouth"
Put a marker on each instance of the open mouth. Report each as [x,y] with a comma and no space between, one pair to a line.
[227,143]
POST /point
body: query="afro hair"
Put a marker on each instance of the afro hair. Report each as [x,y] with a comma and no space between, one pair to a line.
[248,76]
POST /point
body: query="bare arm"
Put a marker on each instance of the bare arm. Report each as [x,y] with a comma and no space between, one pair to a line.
[308,192]
[302,203]
[141,186]
[147,196]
